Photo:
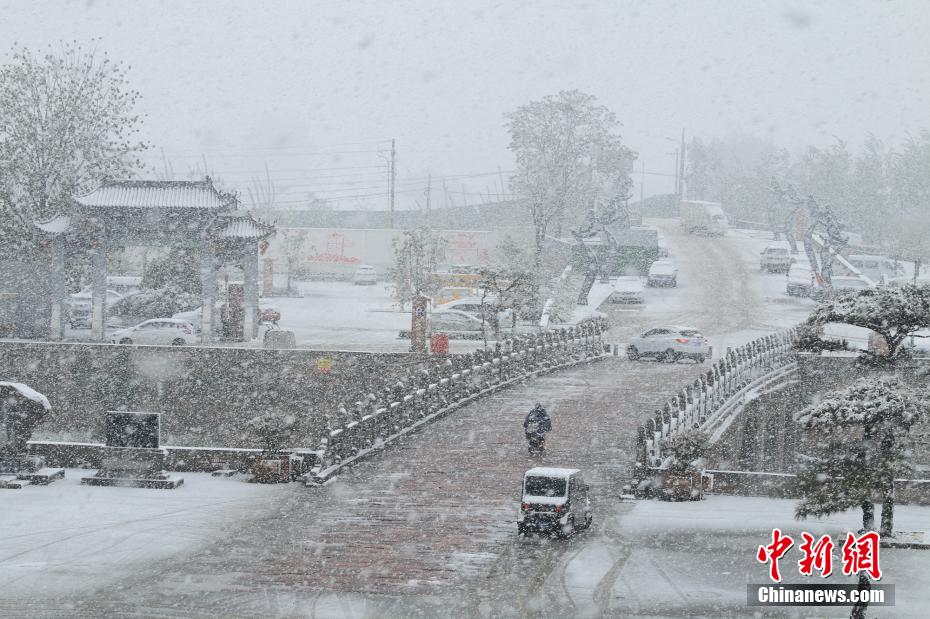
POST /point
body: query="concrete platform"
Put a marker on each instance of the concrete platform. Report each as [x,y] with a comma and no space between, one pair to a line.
[168,482]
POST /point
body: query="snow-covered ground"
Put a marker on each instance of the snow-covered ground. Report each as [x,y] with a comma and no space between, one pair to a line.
[65,537]
[705,551]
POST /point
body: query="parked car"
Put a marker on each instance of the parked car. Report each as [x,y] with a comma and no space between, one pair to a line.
[876,268]
[81,306]
[159,331]
[841,284]
[662,273]
[554,501]
[669,343]
[365,275]
[627,290]
[800,280]
[775,259]
[455,322]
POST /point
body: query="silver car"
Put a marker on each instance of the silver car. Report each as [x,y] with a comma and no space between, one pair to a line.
[456,323]
[365,275]
[669,343]
[800,280]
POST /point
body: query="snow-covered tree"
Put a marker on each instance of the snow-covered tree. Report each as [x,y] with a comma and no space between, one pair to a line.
[867,427]
[66,123]
[416,256]
[292,243]
[685,448]
[893,312]
[501,288]
[704,169]
[273,430]
[568,157]
[909,200]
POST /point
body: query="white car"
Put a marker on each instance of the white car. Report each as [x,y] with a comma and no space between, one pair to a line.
[775,259]
[800,280]
[365,275]
[669,343]
[662,273]
[158,331]
[627,290]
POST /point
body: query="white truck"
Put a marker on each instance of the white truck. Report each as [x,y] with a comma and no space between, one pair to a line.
[699,217]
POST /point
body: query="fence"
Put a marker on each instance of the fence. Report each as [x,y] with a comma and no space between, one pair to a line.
[395,409]
[710,402]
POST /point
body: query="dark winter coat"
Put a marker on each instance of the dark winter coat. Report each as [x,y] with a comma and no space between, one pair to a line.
[541,417]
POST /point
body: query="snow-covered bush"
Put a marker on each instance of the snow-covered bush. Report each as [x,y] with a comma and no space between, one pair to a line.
[274,430]
[685,448]
[157,303]
[810,340]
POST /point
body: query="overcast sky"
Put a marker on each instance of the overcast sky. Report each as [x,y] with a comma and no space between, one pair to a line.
[253,82]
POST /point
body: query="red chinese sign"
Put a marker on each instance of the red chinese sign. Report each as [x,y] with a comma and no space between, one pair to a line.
[859,554]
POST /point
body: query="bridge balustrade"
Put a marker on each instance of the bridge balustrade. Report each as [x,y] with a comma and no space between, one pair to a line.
[698,405]
[428,391]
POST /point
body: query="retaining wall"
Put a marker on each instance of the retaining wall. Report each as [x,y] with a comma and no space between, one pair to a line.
[206,396]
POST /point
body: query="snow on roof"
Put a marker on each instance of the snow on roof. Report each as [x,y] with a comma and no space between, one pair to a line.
[27,392]
[244,228]
[157,194]
[56,225]
[545,471]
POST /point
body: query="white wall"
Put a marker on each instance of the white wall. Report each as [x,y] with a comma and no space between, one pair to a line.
[341,250]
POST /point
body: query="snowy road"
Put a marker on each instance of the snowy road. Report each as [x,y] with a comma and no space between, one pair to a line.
[427,528]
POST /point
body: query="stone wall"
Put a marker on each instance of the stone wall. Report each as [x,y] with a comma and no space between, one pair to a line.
[206,395]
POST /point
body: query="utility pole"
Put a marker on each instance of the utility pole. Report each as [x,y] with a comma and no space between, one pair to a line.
[429,190]
[642,183]
[503,187]
[391,213]
[681,168]
[677,188]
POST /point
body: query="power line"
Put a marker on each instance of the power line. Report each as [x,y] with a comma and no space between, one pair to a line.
[262,172]
[238,155]
[320,149]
